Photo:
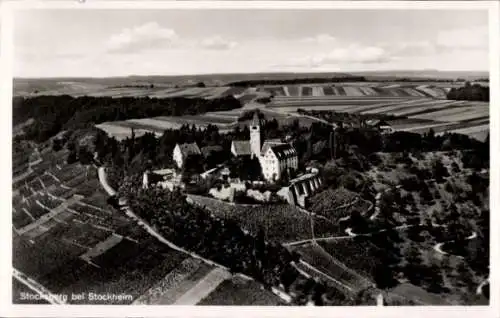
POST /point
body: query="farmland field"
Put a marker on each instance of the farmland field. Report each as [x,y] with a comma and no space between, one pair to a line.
[128,268]
[356,90]
[175,283]
[241,292]
[224,120]
[359,255]
[280,222]
[417,114]
[413,100]
[330,268]
[72,244]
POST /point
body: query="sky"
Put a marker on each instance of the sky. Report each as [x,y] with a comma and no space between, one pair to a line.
[103,43]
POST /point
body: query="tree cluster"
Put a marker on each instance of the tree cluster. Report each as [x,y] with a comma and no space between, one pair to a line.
[52,114]
[471,92]
[221,241]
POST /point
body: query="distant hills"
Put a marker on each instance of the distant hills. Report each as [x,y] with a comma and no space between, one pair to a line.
[425,74]
[28,86]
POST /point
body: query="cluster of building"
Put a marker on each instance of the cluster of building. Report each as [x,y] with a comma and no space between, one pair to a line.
[274,156]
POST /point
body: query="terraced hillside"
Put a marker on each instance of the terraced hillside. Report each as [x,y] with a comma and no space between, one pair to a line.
[280,222]
[68,239]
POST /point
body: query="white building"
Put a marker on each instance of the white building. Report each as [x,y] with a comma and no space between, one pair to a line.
[381,125]
[276,159]
[274,156]
[255,136]
[183,151]
[165,178]
[241,148]
[301,188]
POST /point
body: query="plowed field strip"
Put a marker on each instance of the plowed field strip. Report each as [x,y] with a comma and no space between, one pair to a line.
[204,287]
[161,294]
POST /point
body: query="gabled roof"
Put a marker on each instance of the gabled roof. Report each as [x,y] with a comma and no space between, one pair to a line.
[241,147]
[206,151]
[189,149]
[163,172]
[283,151]
[273,141]
[376,122]
[268,143]
[373,122]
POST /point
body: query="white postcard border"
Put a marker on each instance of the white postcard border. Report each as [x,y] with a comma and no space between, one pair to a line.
[6,59]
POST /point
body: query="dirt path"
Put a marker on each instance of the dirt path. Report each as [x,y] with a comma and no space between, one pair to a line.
[37,287]
[53,213]
[380,299]
[203,287]
[104,181]
[479,289]
[399,227]
[439,246]
[325,275]
[151,231]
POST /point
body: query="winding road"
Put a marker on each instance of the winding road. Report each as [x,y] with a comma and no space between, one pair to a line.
[399,227]
[128,211]
[439,246]
[479,289]
[104,181]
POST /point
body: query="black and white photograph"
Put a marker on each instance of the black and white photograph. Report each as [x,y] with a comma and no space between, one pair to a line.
[250,156]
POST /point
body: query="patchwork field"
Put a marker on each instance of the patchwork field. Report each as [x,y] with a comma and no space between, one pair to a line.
[122,129]
[76,89]
[357,90]
[417,114]
[412,100]
[66,236]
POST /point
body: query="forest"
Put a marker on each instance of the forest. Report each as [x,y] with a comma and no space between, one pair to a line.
[471,92]
[52,114]
[224,242]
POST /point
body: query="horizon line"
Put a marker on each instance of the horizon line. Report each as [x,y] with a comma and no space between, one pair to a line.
[251,73]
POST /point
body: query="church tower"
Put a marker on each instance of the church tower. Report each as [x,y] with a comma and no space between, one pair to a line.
[255,136]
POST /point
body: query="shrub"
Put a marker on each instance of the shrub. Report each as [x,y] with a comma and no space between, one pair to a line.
[448,187]
[410,184]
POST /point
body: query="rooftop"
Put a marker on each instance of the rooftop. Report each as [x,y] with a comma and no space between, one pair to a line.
[283,151]
[303,177]
[163,171]
[189,149]
[242,147]
[206,151]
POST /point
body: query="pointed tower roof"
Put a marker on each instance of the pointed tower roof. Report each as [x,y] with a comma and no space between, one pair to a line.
[255,120]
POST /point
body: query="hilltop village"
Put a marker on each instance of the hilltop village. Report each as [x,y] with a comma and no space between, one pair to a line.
[271,198]
[276,160]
